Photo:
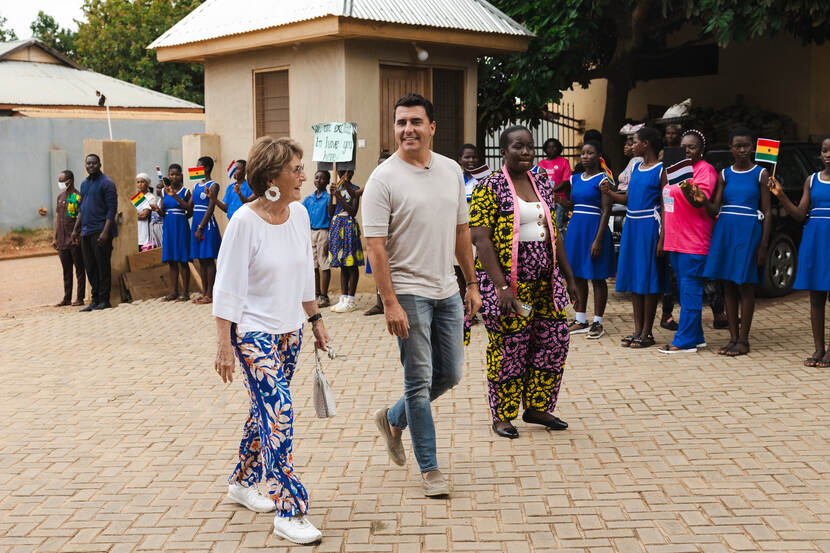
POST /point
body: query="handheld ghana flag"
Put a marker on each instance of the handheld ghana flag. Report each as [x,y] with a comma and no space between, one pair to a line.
[140,201]
[680,171]
[767,150]
[605,169]
[231,169]
[196,173]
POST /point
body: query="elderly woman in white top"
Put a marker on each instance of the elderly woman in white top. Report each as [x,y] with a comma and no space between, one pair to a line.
[264,291]
[145,235]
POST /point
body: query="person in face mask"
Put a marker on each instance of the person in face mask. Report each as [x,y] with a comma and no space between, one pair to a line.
[66,212]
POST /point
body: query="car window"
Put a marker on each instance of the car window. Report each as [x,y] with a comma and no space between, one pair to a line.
[789,172]
[719,159]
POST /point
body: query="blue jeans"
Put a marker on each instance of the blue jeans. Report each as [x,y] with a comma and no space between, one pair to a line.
[689,270]
[432,358]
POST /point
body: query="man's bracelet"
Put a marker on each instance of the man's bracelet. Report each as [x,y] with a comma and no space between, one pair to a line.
[314,318]
[472,283]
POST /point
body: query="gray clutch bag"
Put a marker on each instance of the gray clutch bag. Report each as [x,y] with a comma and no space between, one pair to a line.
[321,392]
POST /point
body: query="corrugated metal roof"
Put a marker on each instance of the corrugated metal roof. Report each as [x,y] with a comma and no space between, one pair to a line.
[218,18]
[49,84]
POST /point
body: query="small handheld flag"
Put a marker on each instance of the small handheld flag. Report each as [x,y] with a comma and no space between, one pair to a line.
[481,172]
[158,173]
[767,150]
[196,173]
[231,170]
[605,169]
[140,201]
[680,171]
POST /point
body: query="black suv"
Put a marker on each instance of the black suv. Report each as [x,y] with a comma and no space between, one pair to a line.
[796,161]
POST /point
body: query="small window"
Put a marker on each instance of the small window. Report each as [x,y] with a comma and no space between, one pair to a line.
[271,109]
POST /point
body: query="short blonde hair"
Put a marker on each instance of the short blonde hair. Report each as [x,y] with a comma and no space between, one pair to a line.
[267,158]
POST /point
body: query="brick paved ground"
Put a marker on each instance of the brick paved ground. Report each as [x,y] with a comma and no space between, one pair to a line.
[117,436]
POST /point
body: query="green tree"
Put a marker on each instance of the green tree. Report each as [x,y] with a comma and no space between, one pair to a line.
[6,35]
[46,29]
[114,37]
[580,40]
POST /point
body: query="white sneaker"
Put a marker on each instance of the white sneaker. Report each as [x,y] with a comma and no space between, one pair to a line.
[297,529]
[702,345]
[350,306]
[338,305]
[251,498]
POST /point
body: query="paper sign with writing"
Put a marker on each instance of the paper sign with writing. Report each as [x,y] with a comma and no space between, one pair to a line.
[334,142]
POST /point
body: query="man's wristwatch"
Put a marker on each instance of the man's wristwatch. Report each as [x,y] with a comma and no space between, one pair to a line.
[314,318]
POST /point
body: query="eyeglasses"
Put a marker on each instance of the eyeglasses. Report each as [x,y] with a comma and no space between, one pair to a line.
[298,169]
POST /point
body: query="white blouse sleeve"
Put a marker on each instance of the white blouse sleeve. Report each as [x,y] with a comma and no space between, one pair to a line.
[305,228]
[231,286]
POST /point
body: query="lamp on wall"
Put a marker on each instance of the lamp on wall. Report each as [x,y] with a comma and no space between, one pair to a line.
[420,53]
[102,101]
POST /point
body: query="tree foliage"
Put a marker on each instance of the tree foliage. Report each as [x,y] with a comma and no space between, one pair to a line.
[113,40]
[46,29]
[6,35]
[580,40]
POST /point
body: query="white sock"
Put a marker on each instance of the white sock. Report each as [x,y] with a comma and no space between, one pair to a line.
[597,319]
[349,298]
[581,318]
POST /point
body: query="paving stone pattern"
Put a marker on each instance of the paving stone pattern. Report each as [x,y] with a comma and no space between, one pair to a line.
[117,436]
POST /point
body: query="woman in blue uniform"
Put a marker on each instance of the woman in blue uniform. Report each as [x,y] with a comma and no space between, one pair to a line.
[813,260]
[205,241]
[641,268]
[174,208]
[587,242]
[741,203]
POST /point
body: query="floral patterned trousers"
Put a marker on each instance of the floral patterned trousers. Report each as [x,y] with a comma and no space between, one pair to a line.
[268,362]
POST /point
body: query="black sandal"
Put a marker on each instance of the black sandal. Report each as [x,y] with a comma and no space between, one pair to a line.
[817,357]
[737,352]
[640,343]
[727,348]
[626,342]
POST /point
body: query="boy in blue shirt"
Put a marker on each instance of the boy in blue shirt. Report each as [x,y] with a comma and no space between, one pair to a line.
[238,194]
[317,206]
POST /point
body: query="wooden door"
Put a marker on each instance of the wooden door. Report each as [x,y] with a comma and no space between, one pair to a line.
[395,82]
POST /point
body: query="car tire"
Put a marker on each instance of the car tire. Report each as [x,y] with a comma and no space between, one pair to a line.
[779,272]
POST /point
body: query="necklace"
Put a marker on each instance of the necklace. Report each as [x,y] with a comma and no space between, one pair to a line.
[264,209]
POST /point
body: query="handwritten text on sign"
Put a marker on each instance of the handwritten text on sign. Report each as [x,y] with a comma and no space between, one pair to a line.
[333,142]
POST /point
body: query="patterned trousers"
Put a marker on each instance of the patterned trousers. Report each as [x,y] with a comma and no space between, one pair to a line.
[268,362]
[526,356]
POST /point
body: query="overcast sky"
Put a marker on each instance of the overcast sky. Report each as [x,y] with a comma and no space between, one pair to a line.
[20,13]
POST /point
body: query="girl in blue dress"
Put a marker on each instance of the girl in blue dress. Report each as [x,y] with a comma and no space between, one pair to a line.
[205,240]
[641,269]
[588,243]
[813,260]
[175,208]
[741,203]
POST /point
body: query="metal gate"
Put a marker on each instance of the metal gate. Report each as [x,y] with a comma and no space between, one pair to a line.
[564,127]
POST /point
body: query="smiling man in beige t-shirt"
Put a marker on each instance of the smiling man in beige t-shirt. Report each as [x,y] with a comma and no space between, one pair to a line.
[415,222]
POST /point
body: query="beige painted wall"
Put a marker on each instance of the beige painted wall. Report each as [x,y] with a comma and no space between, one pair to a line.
[363,60]
[331,81]
[316,91]
[774,74]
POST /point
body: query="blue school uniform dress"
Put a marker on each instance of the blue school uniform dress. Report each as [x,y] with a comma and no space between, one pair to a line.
[813,261]
[738,229]
[639,270]
[208,246]
[175,237]
[582,230]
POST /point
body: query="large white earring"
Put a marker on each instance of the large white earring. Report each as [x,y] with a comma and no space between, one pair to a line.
[272,194]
